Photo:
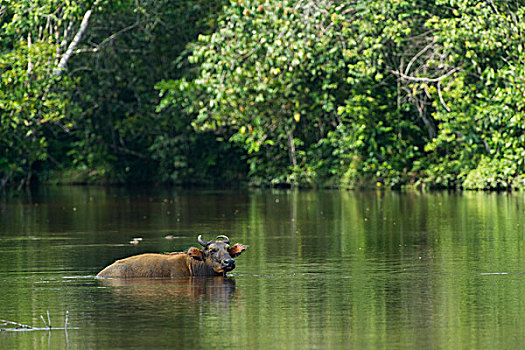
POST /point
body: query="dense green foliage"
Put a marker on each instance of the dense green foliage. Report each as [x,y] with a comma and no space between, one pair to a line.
[304,92]
[32,102]
[119,135]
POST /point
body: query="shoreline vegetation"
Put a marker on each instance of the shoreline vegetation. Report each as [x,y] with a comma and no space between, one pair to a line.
[337,94]
[82,179]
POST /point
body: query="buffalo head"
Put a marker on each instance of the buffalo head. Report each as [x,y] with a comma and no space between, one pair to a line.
[217,254]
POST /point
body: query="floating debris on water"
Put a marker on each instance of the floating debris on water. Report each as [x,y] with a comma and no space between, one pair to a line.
[135,240]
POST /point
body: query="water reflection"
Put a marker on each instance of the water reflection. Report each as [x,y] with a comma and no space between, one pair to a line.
[216,289]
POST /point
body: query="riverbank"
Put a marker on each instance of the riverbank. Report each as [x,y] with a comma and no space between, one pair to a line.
[478,180]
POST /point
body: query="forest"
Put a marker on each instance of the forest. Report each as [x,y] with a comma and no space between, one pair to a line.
[306,93]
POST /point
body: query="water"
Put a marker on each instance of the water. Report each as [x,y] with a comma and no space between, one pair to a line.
[324,270]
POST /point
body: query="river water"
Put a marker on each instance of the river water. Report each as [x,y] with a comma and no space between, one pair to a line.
[324,270]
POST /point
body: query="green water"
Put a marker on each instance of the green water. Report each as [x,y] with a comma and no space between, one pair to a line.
[324,270]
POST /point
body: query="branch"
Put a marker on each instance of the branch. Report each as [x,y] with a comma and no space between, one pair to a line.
[93,50]
[108,39]
[19,327]
[487,147]
[441,97]
[29,62]
[437,80]
[507,62]
[43,320]
[417,56]
[426,80]
[66,33]
[493,7]
[128,151]
[83,26]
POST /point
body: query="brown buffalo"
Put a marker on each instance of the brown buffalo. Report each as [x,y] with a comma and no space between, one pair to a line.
[215,259]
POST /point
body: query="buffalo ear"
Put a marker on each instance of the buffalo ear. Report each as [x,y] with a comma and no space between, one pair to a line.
[195,253]
[237,249]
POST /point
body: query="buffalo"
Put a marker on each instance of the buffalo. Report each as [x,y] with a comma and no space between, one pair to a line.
[215,259]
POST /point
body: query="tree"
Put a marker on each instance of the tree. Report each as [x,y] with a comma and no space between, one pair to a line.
[265,81]
[33,97]
[481,142]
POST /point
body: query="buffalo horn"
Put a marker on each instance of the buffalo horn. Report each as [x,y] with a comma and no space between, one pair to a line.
[202,243]
[225,238]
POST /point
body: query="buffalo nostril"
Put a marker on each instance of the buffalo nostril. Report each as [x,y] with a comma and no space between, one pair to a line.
[229,262]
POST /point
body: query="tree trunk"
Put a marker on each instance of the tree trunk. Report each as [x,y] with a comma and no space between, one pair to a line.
[83,26]
[291,149]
